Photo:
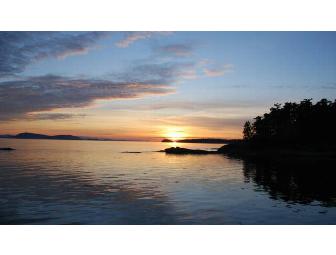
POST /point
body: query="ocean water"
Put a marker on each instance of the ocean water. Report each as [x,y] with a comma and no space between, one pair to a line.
[93,182]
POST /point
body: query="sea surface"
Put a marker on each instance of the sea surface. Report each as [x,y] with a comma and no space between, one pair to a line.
[94,182]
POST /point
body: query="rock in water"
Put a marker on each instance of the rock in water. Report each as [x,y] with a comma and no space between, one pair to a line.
[178,150]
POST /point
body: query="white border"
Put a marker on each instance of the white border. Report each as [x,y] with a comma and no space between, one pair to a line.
[164,15]
[172,15]
[275,240]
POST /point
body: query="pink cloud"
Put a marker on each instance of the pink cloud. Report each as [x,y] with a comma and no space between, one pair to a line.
[218,71]
[132,37]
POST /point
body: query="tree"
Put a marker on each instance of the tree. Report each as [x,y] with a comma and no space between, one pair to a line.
[295,123]
[248,131]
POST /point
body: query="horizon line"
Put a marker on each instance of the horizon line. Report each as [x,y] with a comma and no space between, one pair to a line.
[85,137]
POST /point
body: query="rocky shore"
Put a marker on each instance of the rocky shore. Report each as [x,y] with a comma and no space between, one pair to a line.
[179,150]
[246,150]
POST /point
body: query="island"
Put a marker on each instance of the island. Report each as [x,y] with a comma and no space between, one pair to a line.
[182,151]
[292,130]
[41,136]
[7,149]
[27,135]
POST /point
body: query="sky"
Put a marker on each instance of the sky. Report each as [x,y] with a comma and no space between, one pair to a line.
[150,85]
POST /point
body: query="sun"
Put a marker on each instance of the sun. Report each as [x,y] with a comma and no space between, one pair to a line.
[175,135]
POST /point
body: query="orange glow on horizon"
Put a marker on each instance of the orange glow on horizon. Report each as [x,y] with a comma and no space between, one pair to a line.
[175,135]
[118,127]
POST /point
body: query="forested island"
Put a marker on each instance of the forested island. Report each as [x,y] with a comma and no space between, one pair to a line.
[301,129]
[293,129]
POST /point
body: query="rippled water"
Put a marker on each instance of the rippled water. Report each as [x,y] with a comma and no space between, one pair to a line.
[91,182]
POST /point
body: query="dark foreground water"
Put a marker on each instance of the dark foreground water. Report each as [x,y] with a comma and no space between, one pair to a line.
[89,182]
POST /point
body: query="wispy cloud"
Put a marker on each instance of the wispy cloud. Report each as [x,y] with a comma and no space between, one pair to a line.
[54,116]
[166,72]
[19,49]
[23,97]
[180,50]
[131,37]
[214,123]
[184,105]
[214,71]
[330,85]
[34,97]
[45,93]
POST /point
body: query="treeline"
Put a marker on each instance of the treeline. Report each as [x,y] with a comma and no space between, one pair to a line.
[303,123]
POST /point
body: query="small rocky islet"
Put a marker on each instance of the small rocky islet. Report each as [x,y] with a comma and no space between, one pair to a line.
[179,150]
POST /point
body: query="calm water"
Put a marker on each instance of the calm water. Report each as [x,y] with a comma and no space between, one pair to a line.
[91,182]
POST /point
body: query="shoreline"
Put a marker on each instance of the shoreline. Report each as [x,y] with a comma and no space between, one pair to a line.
[245,151]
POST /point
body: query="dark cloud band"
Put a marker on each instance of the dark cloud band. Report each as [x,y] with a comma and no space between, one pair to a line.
[45,93]
[19,49]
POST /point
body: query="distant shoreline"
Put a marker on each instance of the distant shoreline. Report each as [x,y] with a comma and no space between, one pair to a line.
[244,150]
[33,136]
[202,140]
[83,139]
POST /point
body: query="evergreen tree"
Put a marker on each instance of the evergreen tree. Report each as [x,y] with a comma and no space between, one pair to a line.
[247,130]
[295,123]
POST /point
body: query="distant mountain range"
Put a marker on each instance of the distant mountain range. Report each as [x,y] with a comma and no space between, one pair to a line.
[201,140]
[41,136]
[27,135]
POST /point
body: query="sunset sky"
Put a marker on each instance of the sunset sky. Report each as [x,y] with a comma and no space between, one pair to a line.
[148,85]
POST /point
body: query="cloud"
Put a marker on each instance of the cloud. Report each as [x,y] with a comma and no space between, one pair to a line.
[45,93]
[203,106]
[131,37]
[23,98]
[180,50]
[27,97]
[215,71]
[213,123]
[166,72]
[330,85]
[203,122]
[19,49]
[54,116]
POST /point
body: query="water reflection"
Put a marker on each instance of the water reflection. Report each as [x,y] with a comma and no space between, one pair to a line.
[300,181]
[87,182]
[38,195]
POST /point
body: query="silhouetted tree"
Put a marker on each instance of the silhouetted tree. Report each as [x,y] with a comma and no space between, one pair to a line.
[293,123]
[248,133]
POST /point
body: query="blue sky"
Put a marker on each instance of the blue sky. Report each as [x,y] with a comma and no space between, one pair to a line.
[196,83]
